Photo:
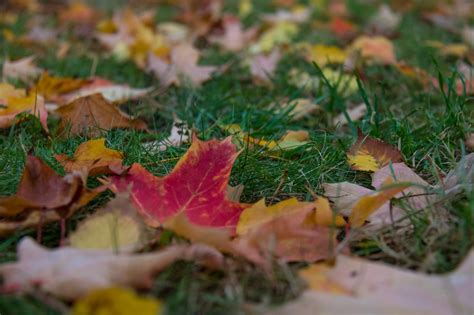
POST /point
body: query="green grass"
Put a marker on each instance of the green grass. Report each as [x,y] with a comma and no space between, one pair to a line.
[428,126]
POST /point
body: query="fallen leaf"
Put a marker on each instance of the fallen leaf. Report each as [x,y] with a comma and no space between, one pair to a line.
[94,157]
[278,34]
[42,189]
[344,195]
[298,108]
[376,49]
[51,87]
[196,186]
[116,301]
[70,273]
[298,14]
[262,66]
[13,106]
[114,93]
[370,154]
[259,213]
[417,196]
[342,28]
[183,62]
[289,141]
[324,54]
[455,50]
[118,226]
[92,115]
[461,177]
[367,205]
[288,237]
[385,21]
[366,287]
[355,113]
[23,69]
[233,37]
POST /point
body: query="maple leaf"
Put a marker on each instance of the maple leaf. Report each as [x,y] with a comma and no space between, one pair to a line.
[71,273]
[369,154]
[42,189]
[23,69]
[93,157]
[92,115]
[364,287]
[183,62]
[233,37]
[298,108]
[196,186]
[118,226]
[116,301]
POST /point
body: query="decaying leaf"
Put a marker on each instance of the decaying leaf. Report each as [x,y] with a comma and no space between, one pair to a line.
[92,115]
[278,34]
[196,186]
[365,287]
[116,301]
[118,226]
[370,154]
[23,69]
[71,273]
[42,189]
[94,157]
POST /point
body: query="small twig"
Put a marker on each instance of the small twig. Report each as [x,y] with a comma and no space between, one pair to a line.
[283,178]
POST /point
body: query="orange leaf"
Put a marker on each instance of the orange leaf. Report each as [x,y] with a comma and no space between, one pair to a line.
[94,157]
[369,154]
[17,105]
[93,114]
[196,186]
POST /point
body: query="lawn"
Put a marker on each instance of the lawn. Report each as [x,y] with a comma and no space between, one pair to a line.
[425,115]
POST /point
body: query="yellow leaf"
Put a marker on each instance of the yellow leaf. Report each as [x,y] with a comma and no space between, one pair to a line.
[318,279]
[259,213]
[280,33]
[323,55]
[369,204]
[324,214]
[117,226]
[116,301]
[93,156]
